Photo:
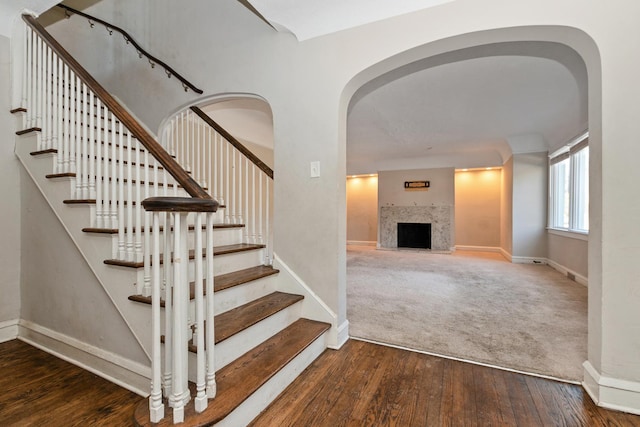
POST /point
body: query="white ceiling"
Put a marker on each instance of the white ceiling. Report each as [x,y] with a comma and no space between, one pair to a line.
[307,19]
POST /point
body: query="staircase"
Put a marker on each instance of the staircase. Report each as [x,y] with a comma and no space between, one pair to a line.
[95,168]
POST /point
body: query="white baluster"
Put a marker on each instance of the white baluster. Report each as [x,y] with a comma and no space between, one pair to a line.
[233,196]
[241,157]
[119,177]
[268,258]
[91,182]
[73,108]
[139,256]
[56,102]
[30,69]
[246,207]
[211,369]
[99,141]
[39,90]
[227,172]
[168,306]
[66,143]
[260,206]
[113,178]
[201,397]
[203,159]
[146,288]
[62,117]
[130,248]
[26,70]
[180,393]
[84,185]
[46,99]
[253,205]
[156,407]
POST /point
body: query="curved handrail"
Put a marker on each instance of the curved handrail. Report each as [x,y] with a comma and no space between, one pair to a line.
[237,144]
[136,129]
[152,59]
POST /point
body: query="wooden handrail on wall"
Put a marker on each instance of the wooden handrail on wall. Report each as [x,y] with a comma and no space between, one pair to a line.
[237,144]
[152,59]
[154,148]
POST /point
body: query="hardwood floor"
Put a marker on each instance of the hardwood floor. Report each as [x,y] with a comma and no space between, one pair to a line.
[365,384]
[361,385]
[41,390]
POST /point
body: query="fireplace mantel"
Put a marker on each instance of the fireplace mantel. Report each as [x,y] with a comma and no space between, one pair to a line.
[440,217]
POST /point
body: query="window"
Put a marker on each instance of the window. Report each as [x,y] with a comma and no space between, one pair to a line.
[569,187]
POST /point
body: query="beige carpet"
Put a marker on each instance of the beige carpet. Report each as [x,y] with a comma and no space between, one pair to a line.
[474,306]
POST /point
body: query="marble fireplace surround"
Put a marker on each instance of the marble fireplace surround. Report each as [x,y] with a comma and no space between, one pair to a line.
[440,217]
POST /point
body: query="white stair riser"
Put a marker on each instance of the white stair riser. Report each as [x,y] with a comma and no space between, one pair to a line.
[238,295]
[258,401]
[221,236]
[233,347]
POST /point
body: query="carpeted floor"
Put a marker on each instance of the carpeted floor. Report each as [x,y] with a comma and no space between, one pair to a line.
[474,306]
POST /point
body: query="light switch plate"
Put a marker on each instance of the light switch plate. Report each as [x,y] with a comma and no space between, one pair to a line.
[315,169]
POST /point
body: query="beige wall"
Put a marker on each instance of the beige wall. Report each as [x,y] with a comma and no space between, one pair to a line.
[530,189]
[391,190]
[506,211]
[477,201]
[570,253]
[10,196]
[362,209]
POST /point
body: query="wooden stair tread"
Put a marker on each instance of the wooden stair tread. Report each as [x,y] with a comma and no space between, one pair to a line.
[222,281]
[242,377]
[236,320]
[218,250]
[191,228]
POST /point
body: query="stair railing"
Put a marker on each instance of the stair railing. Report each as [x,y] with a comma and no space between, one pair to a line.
[111,158]
[238,179]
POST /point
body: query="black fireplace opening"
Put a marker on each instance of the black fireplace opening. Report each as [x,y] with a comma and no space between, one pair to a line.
[414,235]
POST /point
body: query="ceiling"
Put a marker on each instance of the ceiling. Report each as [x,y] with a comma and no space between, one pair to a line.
[464,109]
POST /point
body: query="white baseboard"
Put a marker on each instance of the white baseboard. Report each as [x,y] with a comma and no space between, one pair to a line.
[478,248]
[611,393]
[362,243]
[568,272]
[342,334]
[126,373]
[8,330]
[528,260]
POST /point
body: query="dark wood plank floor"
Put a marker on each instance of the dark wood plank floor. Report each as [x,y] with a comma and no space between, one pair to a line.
[361,385]
[365,384]
[41,390]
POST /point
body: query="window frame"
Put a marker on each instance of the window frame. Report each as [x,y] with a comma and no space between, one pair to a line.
[575,188]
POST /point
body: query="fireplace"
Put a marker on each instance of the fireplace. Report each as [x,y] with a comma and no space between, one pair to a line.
[414,235]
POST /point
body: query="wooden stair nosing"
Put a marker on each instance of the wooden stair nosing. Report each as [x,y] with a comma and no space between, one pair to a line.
[238,319]
[191,228]
[219,250]
[28,130]
[222,282]
[242,377]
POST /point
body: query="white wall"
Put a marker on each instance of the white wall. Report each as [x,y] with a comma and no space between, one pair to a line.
[530,189]
[477,201]
[309,85]
[59,290]
[10,196]
[362,209]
